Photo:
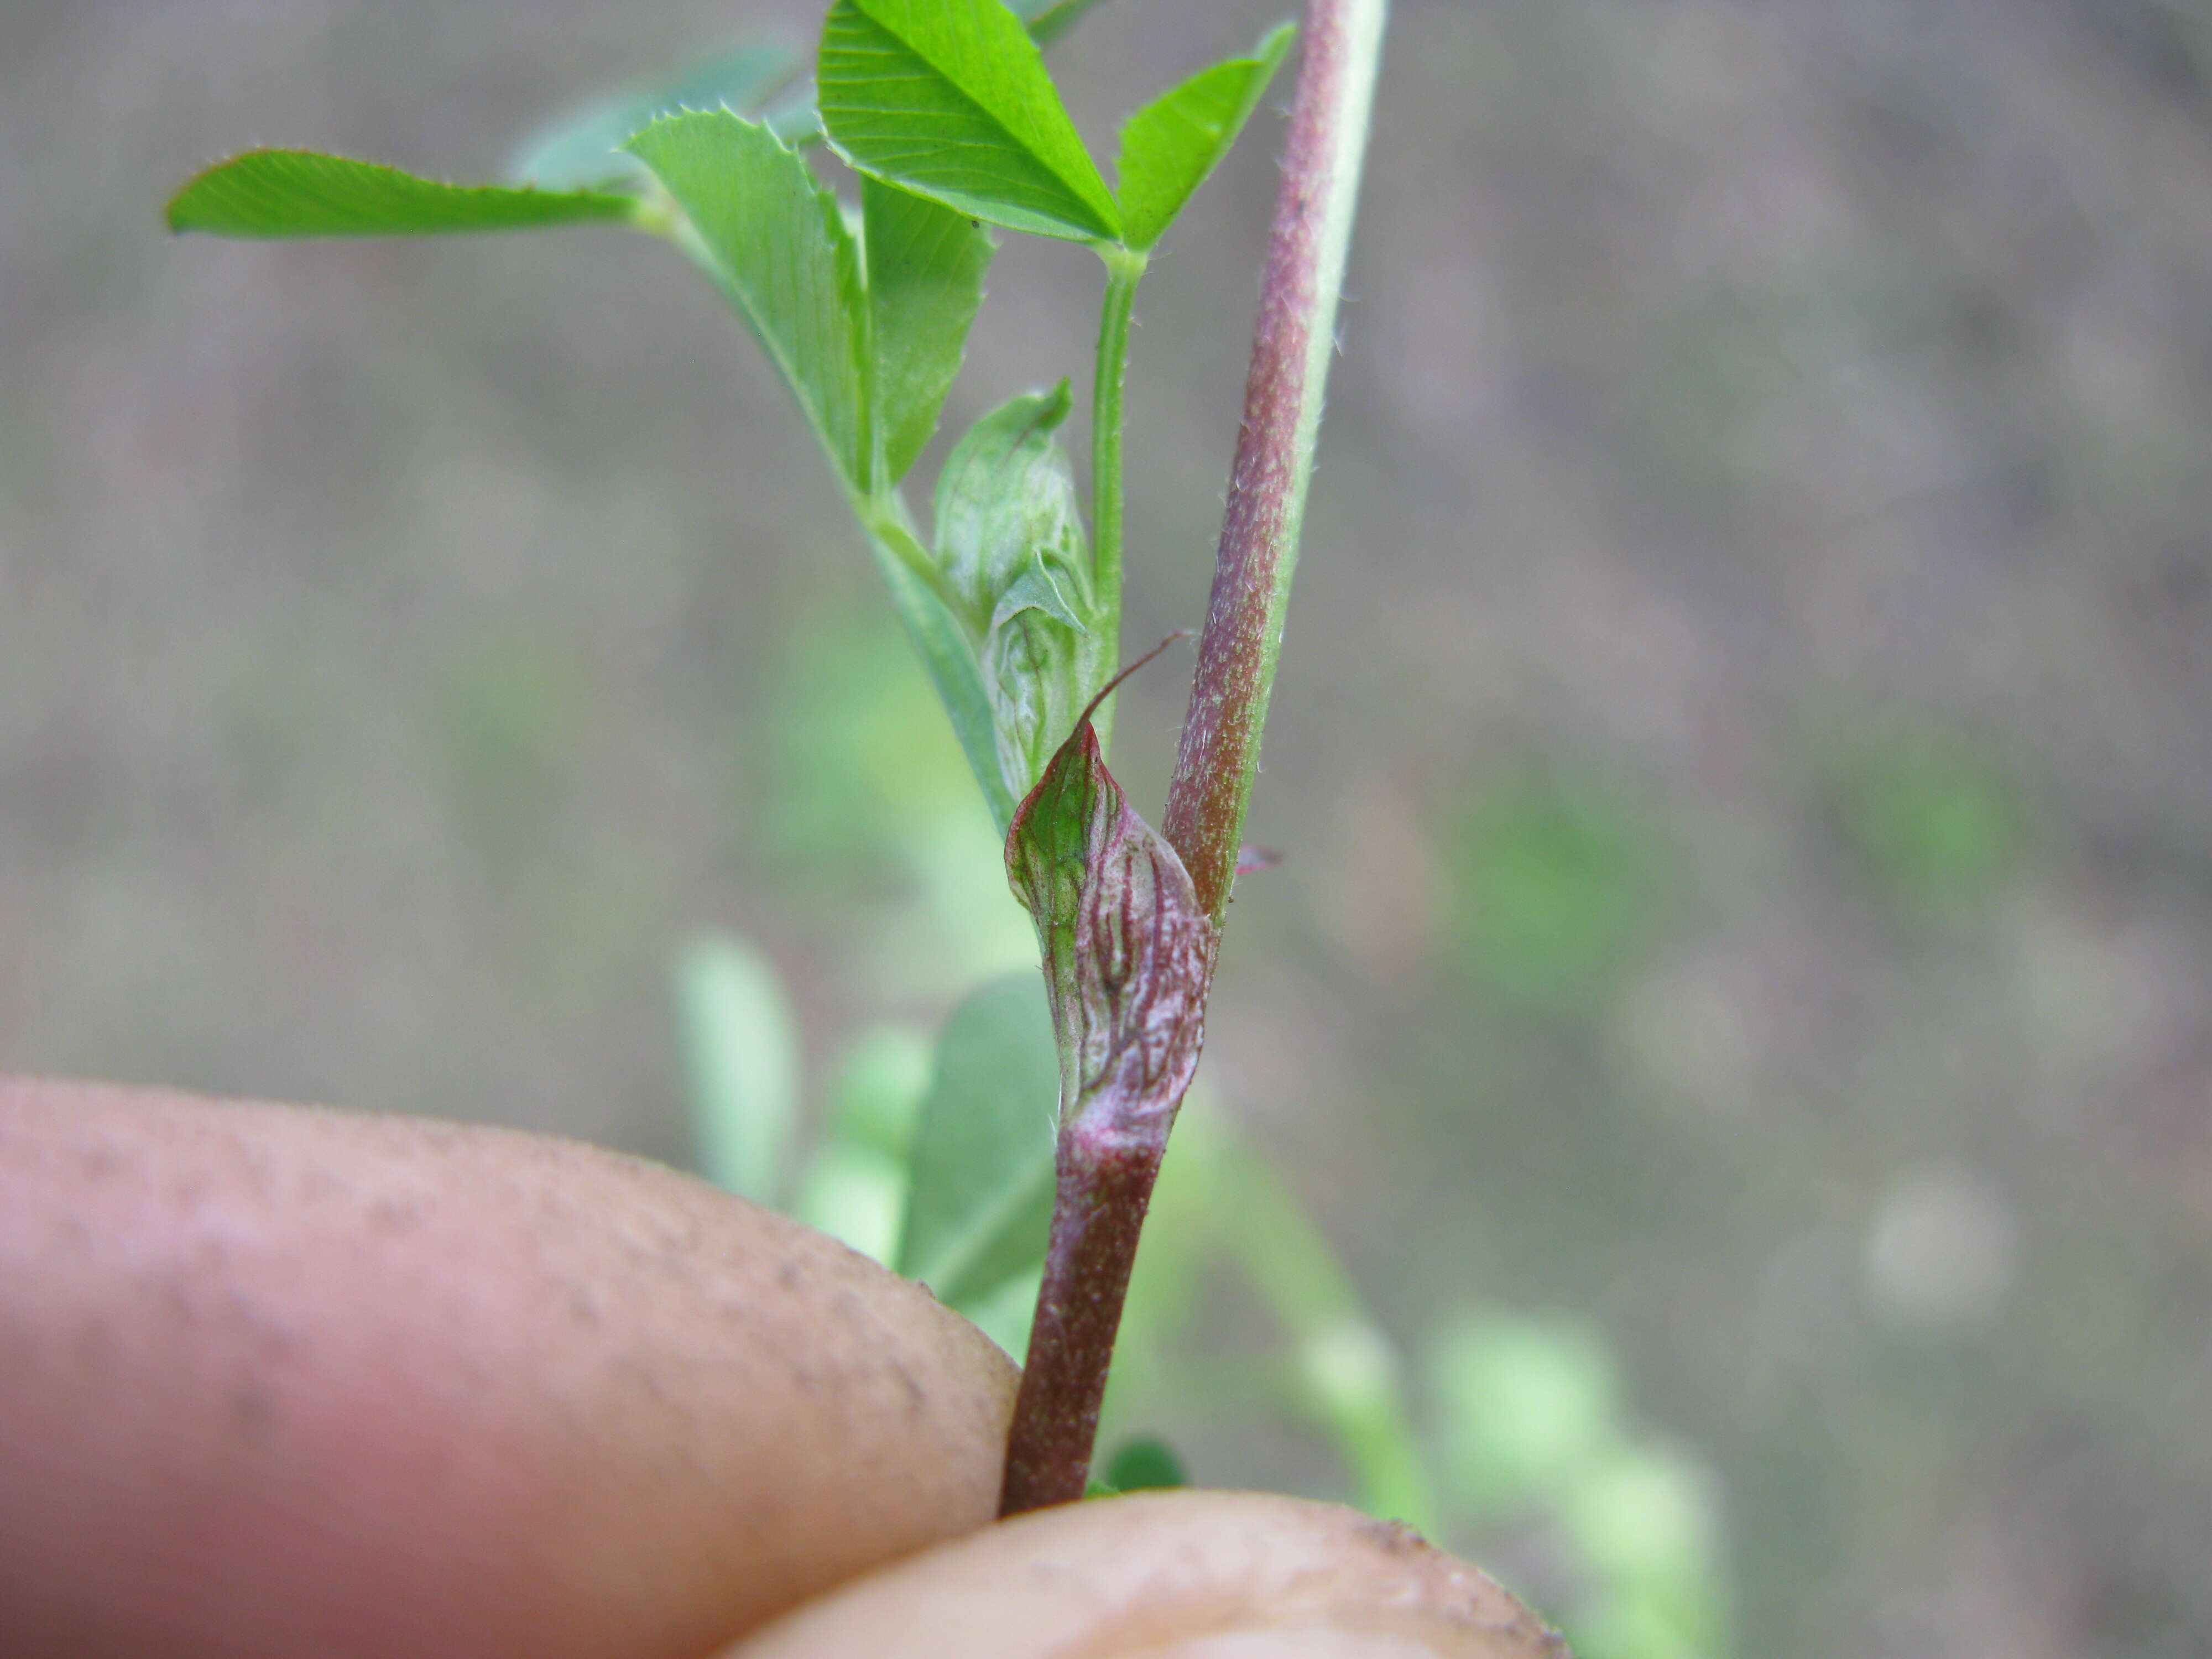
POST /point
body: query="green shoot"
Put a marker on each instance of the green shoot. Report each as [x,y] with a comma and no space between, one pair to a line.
[946,111]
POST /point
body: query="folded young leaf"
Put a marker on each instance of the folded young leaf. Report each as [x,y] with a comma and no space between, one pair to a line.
[951,99]
[774,241]
[982,1157]
[581,149]
[1127,949]
[855,1185]
[1005,504]
[1033,667]
[1011,550]
[926,266]
[300,192]
[1171,145]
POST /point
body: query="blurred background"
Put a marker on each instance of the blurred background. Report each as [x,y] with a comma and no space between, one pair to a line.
[1743,753]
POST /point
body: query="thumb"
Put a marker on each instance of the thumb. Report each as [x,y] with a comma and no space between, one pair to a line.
[1185,1574]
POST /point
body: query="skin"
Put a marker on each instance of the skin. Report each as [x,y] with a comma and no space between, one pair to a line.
[282,1381]
[1195,1575]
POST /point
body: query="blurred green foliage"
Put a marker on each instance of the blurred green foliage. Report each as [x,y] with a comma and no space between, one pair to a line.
[1532,1429]
[1144,1462]
[1526,1406]
[1936,821]
[741,1055]
[859,752]
[1557,882]
[980,1186]
[854,1188]
[869,803]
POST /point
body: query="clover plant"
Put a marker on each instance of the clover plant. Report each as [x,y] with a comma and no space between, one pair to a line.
[946,115]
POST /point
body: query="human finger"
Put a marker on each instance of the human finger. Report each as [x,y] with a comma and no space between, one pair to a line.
[1183,1575]
[283,1381]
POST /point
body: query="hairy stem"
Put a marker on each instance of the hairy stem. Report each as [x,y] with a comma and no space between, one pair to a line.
[1124,268]
[1104,1186]
[1105,1181]
[1290,348]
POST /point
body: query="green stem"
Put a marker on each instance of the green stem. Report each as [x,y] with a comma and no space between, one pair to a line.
[1291,348]
[1125,267]
[939,640]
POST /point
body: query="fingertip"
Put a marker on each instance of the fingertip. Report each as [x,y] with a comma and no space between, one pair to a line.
[1196,1574]
[277,1380]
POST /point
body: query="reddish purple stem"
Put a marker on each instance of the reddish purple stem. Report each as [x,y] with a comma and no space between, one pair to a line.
[1105,1180]
[1228,699]
[1105,1185]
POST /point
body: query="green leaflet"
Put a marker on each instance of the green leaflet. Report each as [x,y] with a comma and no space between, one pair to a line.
[926,266]
[1035,667]
[796,120]
[1048,20]
[1006,508]
[1011,555]
[1127,949]
[1170,145]
[582,149]
[782,250]
[982,1159]
[297,193]
[774,241]
[741,1055]
[951,99]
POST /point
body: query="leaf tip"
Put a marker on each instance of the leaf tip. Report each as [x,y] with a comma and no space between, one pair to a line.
[177,214]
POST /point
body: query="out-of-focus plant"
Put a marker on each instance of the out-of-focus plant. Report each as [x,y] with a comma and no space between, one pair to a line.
[1559,882]
[1935,821]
